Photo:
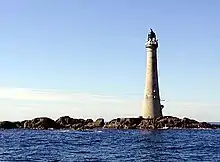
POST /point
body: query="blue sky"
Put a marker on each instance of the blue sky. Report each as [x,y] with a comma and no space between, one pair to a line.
[87,58]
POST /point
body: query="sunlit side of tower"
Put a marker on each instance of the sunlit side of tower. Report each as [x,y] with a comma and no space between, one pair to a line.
[152,107]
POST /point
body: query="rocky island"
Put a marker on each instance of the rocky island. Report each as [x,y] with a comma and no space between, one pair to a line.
[67,122]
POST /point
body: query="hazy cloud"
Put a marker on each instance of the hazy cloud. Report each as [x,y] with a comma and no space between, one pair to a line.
[23,103]
[53,95]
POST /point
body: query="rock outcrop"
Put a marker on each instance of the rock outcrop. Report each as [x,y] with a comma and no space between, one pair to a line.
[123,123]
[9,125]
[41,123]
[158,123]
[99,123]
[67,122]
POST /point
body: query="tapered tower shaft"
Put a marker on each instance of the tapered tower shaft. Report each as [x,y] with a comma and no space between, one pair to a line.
[152,107]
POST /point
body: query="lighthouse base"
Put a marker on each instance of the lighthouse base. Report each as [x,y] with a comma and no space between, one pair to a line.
[151,108]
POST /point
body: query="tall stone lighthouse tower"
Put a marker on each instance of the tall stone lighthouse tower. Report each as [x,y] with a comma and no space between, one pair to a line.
[152,107]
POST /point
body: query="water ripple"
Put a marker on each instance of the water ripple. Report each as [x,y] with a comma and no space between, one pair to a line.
[109,145]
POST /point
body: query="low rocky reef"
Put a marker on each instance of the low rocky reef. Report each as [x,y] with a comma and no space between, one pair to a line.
[67,122]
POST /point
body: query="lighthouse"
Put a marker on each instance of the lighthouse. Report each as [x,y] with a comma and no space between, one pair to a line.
[152,107]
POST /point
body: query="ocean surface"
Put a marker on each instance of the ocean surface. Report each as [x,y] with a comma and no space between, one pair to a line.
[109,145]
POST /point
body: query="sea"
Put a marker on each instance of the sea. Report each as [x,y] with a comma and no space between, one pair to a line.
[110,145]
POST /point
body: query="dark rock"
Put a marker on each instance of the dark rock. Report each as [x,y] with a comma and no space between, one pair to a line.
[65,121]
[147,124]
[89,126]
[9,125]
[22,123]
[77,126]
[205,125]
[19,124]
[41,123]
[99,122]
[168,121]
[123,123]
[189,123]
[88,121]
[216,126]
[113,124]
[68,122]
